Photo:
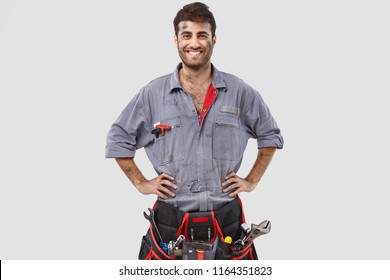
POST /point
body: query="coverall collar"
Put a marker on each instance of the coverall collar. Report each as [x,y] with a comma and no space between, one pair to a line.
[217,82]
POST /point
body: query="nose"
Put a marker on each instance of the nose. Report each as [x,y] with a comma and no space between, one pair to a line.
[194,43]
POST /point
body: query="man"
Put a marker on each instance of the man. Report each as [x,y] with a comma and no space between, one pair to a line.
[194,125]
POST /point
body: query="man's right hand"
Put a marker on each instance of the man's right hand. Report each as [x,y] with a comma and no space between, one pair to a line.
[160,186]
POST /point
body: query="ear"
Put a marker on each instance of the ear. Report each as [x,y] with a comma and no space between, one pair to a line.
[214,40]
[175,39]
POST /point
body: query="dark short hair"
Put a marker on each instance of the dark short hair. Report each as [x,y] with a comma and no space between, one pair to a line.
[196,12]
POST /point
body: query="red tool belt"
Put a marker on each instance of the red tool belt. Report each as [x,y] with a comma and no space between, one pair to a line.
[199,226]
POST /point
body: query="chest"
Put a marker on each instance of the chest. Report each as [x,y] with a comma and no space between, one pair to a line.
[197,94]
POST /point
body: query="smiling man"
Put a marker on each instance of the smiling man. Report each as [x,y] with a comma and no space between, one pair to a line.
[194,125]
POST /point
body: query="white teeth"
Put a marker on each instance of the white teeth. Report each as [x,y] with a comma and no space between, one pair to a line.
[194,53]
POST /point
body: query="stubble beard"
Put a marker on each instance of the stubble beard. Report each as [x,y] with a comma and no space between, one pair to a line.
[196,66]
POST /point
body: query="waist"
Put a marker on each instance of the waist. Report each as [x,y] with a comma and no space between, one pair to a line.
[227,213]
[198,197]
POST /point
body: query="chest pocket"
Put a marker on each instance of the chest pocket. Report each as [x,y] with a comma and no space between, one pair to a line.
[226,139]
[169,148]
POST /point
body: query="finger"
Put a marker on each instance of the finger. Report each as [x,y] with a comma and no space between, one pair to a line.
[168,184]
[166,176]
[166,191]
[162,195]
[235,193]
[230,181]
[231,187]
[230,175]
[226,183]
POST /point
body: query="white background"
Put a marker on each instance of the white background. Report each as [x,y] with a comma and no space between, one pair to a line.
[68,68]
[150,270]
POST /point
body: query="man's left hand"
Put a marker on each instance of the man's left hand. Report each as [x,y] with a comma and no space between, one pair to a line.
[235,184]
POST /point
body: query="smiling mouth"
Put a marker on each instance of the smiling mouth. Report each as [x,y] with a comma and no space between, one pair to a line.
[193,53]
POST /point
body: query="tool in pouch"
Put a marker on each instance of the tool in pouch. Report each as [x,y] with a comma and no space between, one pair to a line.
[172,247]
[155,230]
[226,247]
[250,234]
[200,233]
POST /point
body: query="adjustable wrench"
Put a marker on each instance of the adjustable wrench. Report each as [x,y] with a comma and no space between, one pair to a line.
[150,218]
[256,230]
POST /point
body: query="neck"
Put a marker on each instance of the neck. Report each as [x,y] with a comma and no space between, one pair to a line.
[198,76]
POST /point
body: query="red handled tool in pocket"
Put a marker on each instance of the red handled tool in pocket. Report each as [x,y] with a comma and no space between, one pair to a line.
[160,128]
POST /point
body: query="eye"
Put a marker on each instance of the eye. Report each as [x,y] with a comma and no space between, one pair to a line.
[186,36]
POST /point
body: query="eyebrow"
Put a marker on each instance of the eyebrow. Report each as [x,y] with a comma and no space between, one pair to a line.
[199,33]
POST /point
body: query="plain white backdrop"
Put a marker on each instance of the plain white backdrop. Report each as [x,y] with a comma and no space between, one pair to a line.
[68,68]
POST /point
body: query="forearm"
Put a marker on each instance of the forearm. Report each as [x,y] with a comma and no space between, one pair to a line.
[162,185]
[264,157]
[132,171]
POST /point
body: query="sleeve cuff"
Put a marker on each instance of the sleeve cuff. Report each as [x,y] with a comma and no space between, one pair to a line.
[264,143]
[114,151]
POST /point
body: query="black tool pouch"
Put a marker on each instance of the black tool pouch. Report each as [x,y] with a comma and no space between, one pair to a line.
[226,252]
[246,253]
[200,227]
[230,218]
[168,220]
[150,250]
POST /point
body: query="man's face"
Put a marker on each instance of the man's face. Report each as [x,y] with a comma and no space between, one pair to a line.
[195,43]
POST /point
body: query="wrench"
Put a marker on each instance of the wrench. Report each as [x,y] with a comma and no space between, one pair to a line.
[172,247]
[150,218]
[173,244]
[256,230]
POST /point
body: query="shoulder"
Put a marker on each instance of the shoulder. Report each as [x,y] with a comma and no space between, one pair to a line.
[234,82]
[231,77]
[160,80]
[238,86]
[156,87]
[157,84]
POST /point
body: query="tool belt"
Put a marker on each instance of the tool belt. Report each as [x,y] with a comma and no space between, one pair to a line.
[197,226]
